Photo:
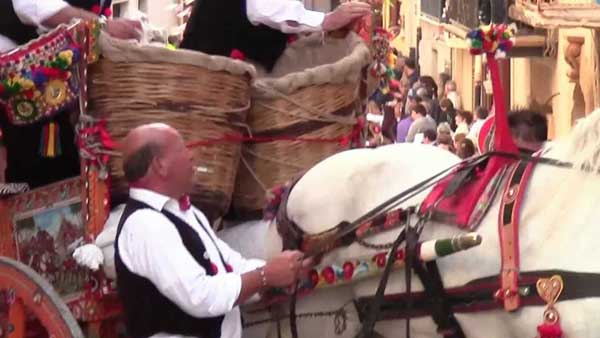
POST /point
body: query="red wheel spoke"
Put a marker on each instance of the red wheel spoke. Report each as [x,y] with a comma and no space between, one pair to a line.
[27,289]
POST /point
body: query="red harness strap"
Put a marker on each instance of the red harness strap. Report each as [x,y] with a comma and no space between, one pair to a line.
[508,229]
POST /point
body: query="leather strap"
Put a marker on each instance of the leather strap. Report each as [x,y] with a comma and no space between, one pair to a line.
[441,312]
[509,235]
[478,295]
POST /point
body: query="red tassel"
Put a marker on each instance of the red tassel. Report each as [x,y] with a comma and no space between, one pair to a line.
[237,54]
[228,268]
[292,38]
[214,268]
[95,9]
[550,331]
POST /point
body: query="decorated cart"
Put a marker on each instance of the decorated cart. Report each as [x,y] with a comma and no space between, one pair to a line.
[44,293]
[219,105]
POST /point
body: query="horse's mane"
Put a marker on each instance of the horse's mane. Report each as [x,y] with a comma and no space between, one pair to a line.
[582,145]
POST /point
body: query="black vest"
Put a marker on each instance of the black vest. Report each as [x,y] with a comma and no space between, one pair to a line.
[20,33]
[217,27]
[147,311]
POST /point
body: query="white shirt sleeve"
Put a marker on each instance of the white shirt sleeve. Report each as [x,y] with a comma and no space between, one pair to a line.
[35,12]
[151,247]
[288,16]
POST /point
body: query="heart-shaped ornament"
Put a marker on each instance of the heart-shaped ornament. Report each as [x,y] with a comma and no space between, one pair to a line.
[549,289]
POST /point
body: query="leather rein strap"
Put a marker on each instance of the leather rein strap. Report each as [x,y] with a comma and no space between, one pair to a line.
[508,229]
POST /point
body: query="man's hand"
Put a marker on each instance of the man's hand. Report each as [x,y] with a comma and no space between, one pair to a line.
[345,14]
[284,269]
[124,29]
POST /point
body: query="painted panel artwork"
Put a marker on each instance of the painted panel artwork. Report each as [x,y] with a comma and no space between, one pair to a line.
[47,236]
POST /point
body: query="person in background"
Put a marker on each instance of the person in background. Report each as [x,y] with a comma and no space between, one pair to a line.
[403,124]
[432,88]
[481,114]
[428,82]
[465,148]
[259,28]
[445,141]
[443,79]
[389,123]
[444,128]
[399,68]
[429,136]
[425,95]
[411,72]
[463,122]
[529,129]
[451,93]
[421,122]
[448,113]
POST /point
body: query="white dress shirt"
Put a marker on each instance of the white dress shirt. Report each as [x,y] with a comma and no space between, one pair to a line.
[151,247]
[288,16]
[32,12]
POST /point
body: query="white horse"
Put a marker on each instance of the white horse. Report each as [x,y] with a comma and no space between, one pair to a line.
[558,230]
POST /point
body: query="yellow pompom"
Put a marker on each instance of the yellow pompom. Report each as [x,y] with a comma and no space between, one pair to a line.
[66,55]
[26,84]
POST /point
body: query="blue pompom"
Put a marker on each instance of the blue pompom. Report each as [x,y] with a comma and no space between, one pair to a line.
[39,78]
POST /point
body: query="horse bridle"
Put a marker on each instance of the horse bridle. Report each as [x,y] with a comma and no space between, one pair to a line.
[427,272]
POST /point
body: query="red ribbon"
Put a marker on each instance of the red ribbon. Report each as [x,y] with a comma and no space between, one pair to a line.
[98,130]
[343,141]
[502,138]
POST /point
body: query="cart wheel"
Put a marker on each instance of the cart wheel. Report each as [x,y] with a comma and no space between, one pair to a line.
[26,293]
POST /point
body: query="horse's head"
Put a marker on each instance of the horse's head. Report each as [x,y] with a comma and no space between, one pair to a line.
[347,185]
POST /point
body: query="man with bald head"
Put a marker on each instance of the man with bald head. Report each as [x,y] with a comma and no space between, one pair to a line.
[175,277]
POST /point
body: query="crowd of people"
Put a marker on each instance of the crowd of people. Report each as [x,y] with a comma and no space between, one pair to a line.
[419,109]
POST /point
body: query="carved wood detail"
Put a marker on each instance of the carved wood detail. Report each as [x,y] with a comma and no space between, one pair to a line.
[572,56]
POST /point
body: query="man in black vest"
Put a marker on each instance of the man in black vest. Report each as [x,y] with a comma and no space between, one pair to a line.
[175,277]
[259,28]
[20,21]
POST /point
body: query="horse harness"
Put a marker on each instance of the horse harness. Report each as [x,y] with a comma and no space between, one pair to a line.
[511,289]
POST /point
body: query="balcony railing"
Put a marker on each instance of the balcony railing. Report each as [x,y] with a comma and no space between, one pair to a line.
[557,13]
[433,8]
[464,12]
[561,3]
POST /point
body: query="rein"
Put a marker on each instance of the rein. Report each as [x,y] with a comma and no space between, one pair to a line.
[393,202]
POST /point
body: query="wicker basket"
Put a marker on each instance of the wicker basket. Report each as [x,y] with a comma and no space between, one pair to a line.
[203,97]
[313,96]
